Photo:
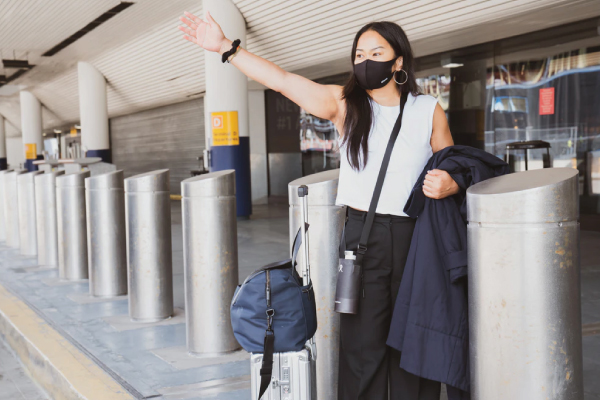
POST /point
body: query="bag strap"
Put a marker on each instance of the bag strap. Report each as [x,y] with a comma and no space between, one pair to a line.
[298,243]
[342,247]
[266,369]
[364,236]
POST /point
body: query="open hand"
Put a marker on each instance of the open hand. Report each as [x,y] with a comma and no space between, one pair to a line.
[439,184]
[207,34]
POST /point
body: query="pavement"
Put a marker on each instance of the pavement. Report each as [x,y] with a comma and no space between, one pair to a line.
[150,361]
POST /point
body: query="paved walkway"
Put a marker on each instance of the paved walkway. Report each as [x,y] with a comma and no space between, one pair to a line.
[151,360]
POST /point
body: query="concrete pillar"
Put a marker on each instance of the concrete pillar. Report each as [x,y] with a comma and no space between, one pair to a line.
[258,146]
[226,106]
[3,161]
[93,112]
[31,128]
[14,151]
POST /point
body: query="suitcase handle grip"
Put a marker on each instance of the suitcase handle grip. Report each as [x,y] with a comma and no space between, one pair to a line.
[302,191]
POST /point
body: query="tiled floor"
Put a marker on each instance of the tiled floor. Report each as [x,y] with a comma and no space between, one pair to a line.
[133,351]
[151,359]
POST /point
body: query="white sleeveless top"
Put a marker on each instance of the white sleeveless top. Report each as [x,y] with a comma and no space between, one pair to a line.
[411,152]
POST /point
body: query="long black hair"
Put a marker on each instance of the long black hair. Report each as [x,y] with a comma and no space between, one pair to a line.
[359,113]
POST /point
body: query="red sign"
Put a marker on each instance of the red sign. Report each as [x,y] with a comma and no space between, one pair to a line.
[547,101]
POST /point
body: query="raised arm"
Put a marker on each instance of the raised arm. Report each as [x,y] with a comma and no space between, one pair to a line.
[323,101]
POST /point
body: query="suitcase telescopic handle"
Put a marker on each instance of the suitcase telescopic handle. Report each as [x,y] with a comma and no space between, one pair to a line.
[302,194]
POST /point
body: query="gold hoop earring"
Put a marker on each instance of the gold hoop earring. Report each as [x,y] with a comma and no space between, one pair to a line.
[404,80]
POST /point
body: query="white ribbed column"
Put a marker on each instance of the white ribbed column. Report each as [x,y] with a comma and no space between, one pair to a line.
[227,90]
[93,111]
[3,163]
[31,128]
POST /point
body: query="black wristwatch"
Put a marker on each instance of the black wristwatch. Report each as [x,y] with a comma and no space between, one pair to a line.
[234,47]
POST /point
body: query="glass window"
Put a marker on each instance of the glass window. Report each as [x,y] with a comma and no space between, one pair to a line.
[555,99]
[437,86]
[318,143]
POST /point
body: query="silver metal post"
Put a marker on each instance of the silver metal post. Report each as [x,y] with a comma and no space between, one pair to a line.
[107,257]
[326,222]
[524,288]
[210,259]
[11,208]
[27,215]
[39,221]
[72,231]
[149,264]
[2,197]
[47,225]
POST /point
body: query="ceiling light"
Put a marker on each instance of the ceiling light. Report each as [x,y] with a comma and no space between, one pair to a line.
[89,27]
[452,65]
[17,64]
[452,62]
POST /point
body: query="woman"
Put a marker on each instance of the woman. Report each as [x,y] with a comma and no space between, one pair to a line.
[364,112]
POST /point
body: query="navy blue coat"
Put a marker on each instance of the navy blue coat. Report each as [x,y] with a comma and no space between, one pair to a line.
[430,322]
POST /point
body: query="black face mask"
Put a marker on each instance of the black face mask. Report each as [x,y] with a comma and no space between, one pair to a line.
[373,74]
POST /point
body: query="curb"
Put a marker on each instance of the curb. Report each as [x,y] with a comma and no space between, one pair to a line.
[53,362]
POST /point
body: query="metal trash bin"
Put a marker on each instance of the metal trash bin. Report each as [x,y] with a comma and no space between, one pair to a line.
[46,218]
[326,222]
[107,256]
[27,213]
[11,208]
[148,230]
[2,200]
[210,260]
[72,230]
[526,146]
[524,288]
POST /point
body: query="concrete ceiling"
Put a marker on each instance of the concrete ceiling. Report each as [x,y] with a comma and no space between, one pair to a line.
[148,64]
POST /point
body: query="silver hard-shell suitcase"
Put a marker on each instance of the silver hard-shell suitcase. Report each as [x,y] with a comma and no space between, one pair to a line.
[293,372]
[291,379]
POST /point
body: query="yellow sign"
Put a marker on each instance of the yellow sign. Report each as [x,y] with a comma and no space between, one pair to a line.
[225,128]
[30,151]
[73,131]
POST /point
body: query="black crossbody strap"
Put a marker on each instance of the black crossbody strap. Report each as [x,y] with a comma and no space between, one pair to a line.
[364,237]
[266,369]
[342,247]
[267,364]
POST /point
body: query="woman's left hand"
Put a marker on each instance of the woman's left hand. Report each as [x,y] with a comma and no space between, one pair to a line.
[439,184]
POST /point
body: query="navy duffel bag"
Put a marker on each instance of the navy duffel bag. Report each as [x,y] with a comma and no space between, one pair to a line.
[272,304]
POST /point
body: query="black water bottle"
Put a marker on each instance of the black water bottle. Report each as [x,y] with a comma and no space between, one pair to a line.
[349,279]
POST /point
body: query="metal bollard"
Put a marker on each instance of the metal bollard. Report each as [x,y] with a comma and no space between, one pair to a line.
[326,222]
[2,196]
[11,208]
[107,260]
[27,214]
[524,289]
[72,232]
[210,260]
[47,226]
[149,264]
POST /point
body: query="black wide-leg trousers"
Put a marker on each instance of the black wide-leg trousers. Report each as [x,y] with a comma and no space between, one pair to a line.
[369,369]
